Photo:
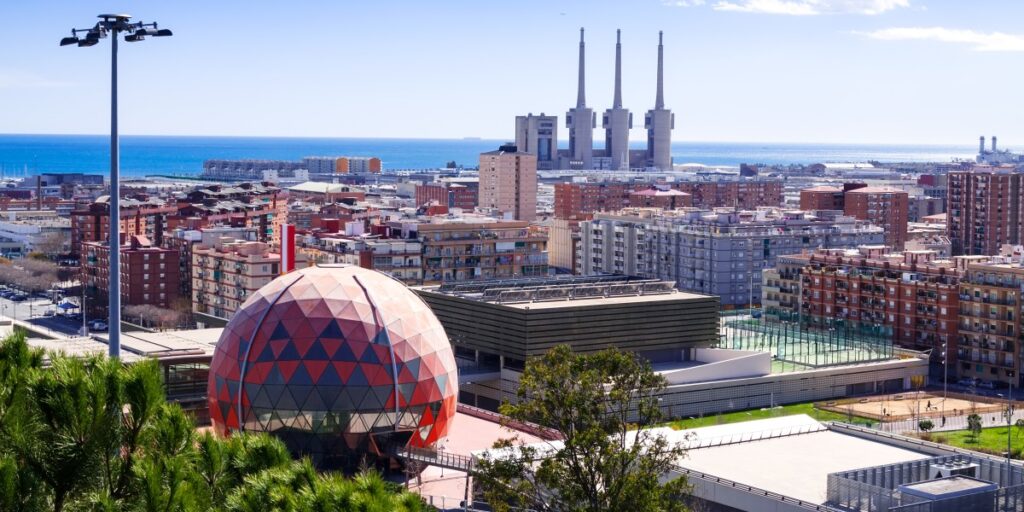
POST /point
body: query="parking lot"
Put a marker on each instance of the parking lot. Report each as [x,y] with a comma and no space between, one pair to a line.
[43,312]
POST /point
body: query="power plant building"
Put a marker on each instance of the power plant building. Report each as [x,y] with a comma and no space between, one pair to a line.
[539,135]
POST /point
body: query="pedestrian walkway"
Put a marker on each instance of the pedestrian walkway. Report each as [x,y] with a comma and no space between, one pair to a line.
[952,422]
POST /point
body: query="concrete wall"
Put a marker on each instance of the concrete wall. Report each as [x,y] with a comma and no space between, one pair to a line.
[722,364]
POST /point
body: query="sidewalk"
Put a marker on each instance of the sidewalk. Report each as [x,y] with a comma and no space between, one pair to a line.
[959,422]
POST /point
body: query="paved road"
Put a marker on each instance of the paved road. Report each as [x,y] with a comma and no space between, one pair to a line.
[33,311]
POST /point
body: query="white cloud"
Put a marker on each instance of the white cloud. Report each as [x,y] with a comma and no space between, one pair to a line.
[980,41]
[811,7]
[684,3]
[16,78]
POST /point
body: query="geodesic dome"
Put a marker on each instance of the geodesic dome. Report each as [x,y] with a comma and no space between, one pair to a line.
[340,362]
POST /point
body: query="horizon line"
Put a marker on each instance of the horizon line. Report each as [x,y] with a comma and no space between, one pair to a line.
[483,139]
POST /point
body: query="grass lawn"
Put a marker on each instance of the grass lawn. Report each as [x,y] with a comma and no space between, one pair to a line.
[992,440]
[757,414]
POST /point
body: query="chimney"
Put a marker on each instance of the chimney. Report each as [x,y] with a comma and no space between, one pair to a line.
[581,102]
[659,100]
[981,144]
[993,143]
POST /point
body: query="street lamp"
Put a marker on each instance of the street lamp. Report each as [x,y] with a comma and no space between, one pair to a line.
[114,24]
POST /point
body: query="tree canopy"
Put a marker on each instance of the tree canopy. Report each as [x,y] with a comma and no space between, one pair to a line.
[93,434]
[606,405]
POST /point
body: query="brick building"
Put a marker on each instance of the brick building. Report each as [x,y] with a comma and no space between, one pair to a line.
[149,274]
[452,195]
[747,194]
[139,216]
[821,198]
[911,297]
[656,198]
[984,209]
[576,199]
[989,341]
[885,207]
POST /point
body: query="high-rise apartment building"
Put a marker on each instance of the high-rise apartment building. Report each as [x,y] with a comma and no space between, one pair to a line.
[539,135]
[577,199]
[508,182]
[715,252]
[885,207]
[984,209]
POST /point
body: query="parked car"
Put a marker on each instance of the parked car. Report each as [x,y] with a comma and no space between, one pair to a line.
[19,297]
[98,325]
[987,384]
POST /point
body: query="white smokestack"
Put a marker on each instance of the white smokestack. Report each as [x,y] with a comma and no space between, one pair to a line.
[981,144]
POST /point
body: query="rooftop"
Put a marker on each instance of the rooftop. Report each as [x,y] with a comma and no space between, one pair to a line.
[546,292]
[794,465]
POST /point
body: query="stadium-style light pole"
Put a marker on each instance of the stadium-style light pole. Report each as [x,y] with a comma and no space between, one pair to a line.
[113,25]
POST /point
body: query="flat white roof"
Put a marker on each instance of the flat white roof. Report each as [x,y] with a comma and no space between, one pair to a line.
[796,466]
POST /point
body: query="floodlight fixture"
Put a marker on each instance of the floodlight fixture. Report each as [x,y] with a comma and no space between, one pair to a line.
[114,24]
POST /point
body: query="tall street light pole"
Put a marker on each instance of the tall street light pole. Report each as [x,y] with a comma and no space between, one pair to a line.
[112,25]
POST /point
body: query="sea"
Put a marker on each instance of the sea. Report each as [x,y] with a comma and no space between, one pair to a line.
[22,155]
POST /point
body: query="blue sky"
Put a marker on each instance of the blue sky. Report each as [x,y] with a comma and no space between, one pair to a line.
[899,71]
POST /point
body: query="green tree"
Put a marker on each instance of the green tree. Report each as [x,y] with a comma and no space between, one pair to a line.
[974,426]
[97,435]
[925,425]
[1020,426]
[605,404]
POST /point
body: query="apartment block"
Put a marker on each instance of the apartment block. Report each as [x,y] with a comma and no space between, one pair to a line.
[573,200]
[715,252]
[227,272]
[465,250]
[400,258]
[821,198]
[984,209]
[747,194]
[508,182]
[911,297]
[452,195]
[149,274]
[885,207]
[139,216]
[989,343]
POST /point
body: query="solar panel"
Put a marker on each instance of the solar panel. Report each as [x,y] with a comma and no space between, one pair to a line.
[514,296]
[618,290]
[554,293]
[588,291]
[657,287]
